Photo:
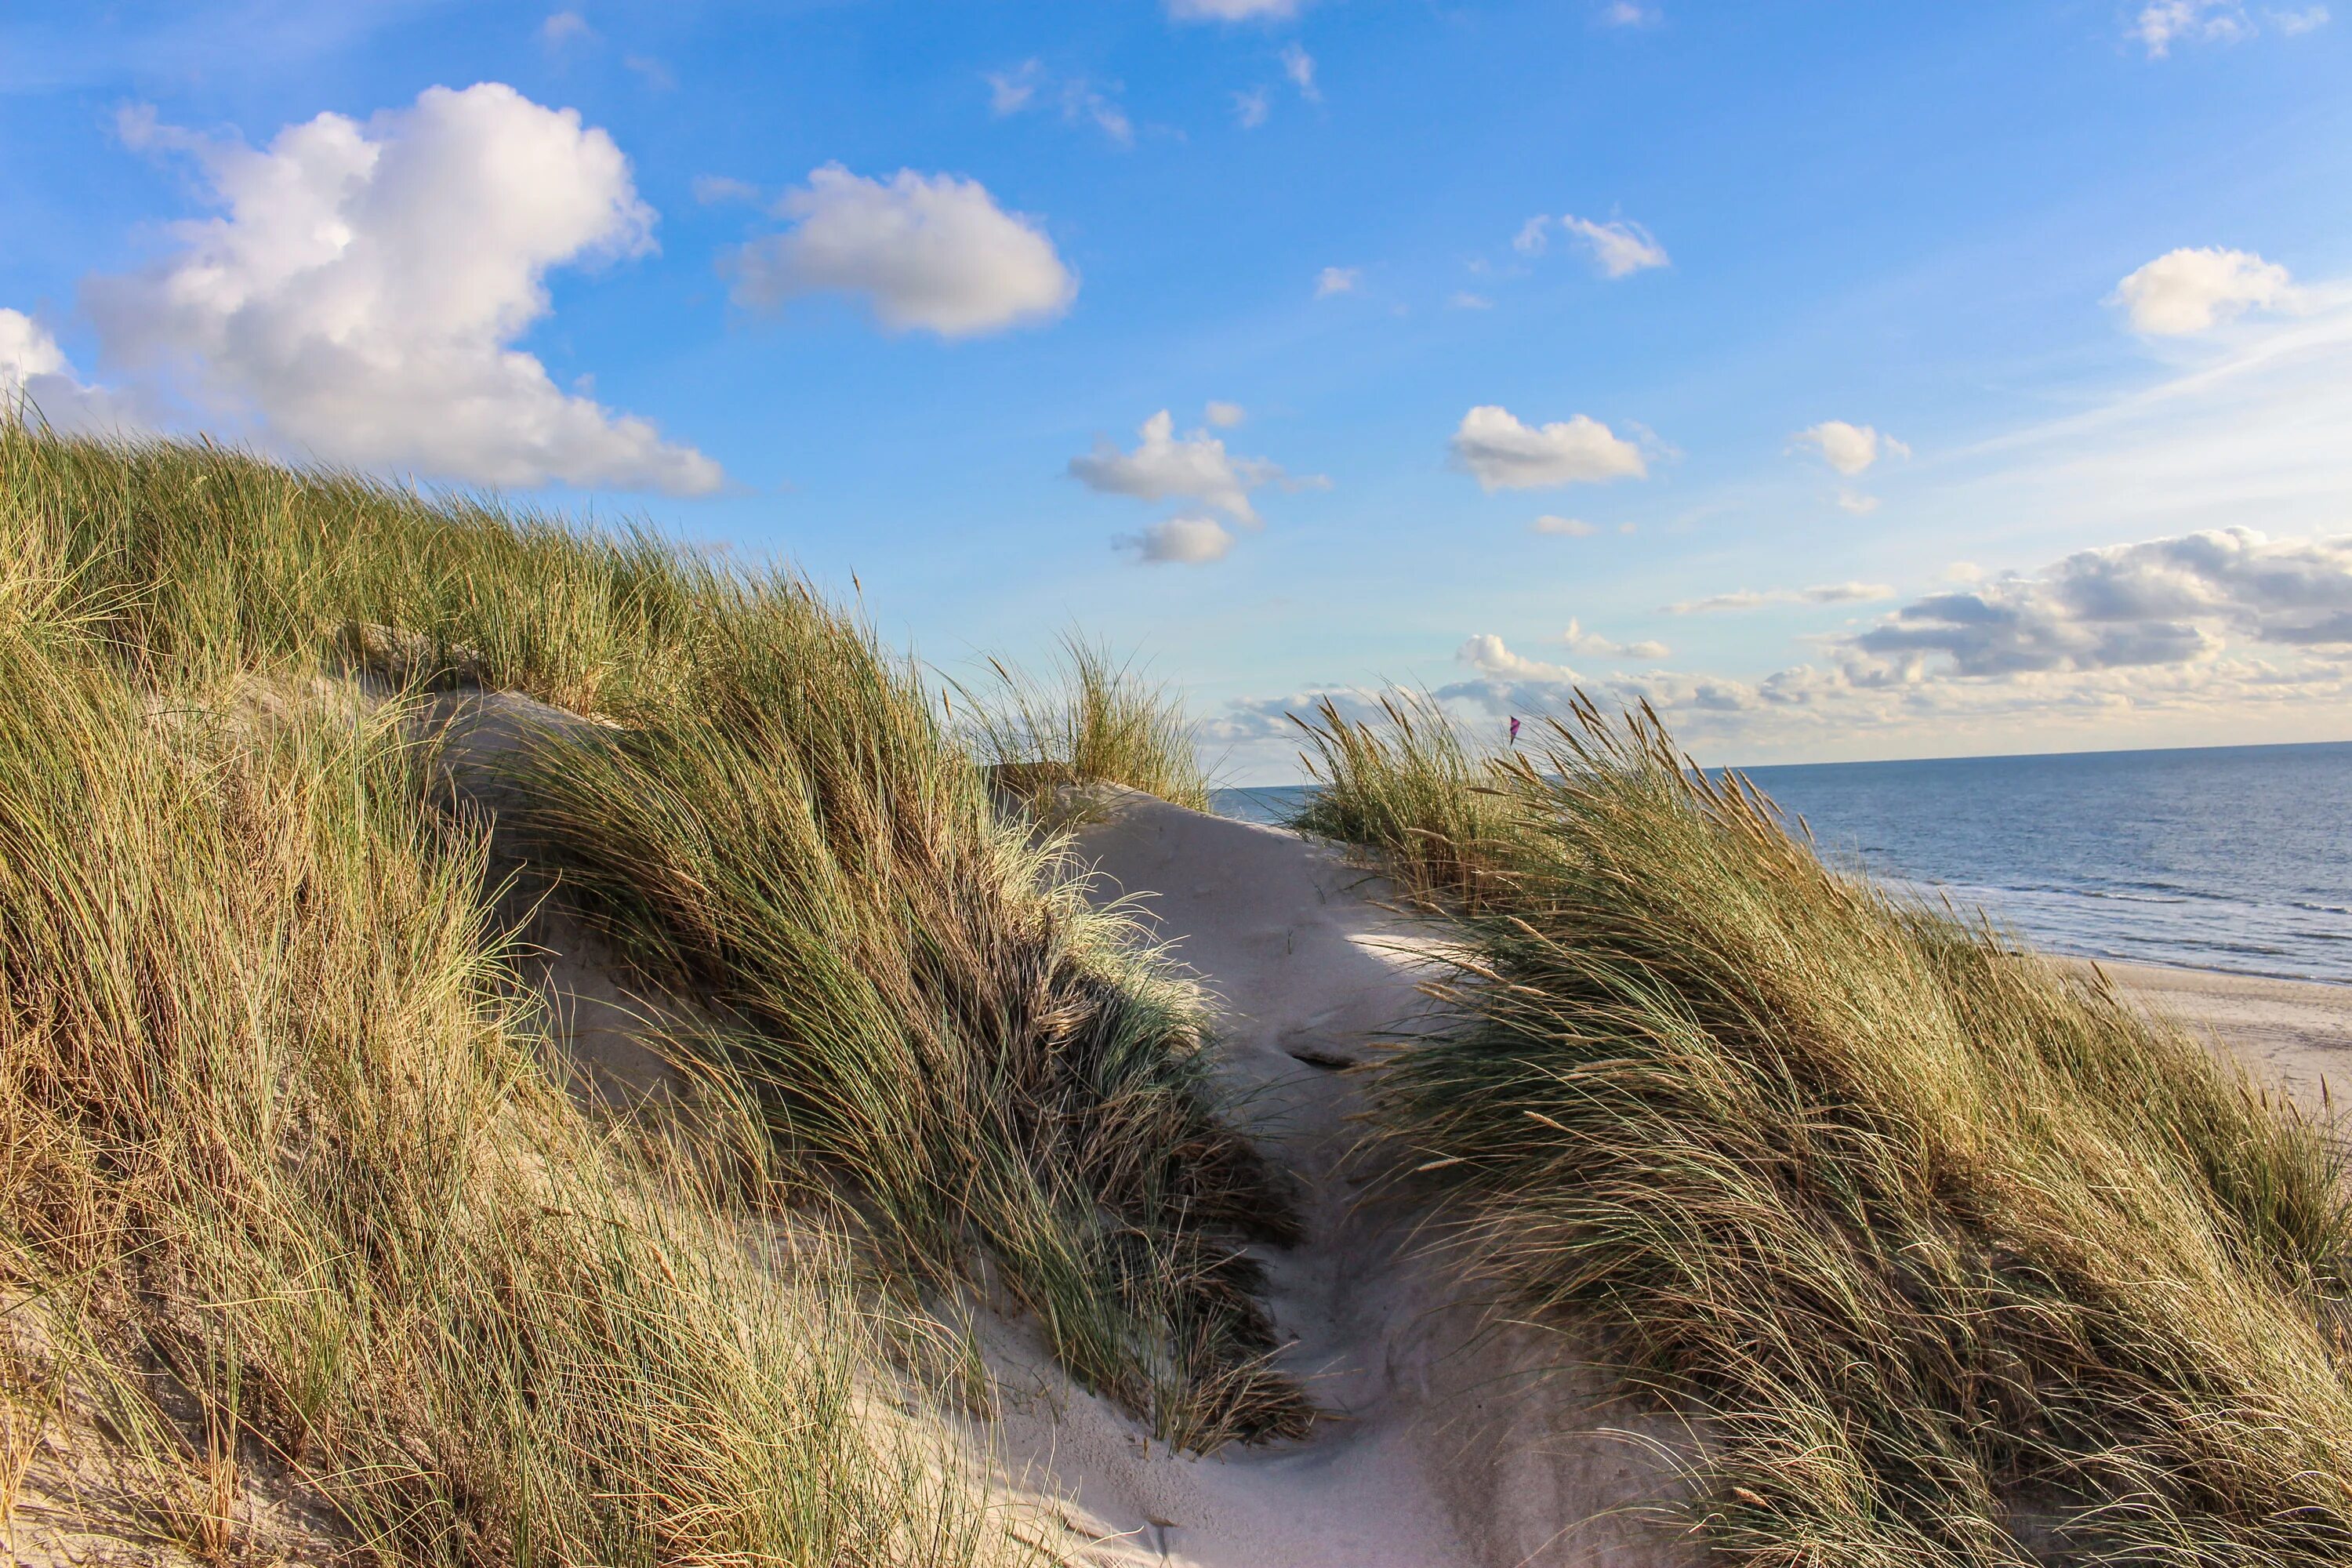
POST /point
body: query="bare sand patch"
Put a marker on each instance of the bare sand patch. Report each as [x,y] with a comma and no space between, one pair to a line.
[1448,1440]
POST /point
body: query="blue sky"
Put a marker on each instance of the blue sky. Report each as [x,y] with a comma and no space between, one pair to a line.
[1897,380]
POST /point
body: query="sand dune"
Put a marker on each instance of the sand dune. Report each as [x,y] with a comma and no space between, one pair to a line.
[1447,1445]
[1444,1445]
[1447,1440]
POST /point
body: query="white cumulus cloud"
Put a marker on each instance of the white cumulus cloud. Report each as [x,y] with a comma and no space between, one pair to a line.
[1619,248]
[1503,454]
[1850,448]
[1225,416]
[34,370]
[2190,291]
[928,252]
[1196,468]
[2164,602]
[1337,281]
[361,295]
[27,350]
[2170,641]
[1489,655]
[1181,541]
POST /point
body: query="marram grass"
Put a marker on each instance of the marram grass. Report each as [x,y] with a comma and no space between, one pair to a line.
[997,1071]
[1090,718]
[289,1210]
[1412,788]
[284,1181]
[1953,1256]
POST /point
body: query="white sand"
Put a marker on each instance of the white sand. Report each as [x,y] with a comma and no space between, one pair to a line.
[1445,1446]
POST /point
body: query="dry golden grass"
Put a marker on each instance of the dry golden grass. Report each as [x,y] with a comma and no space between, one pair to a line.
[1091,719]
[290,1204]
[289,1209]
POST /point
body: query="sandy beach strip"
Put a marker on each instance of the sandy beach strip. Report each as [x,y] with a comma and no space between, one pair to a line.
[2296,1033]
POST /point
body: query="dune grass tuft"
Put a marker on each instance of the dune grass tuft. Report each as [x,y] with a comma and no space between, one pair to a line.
[1954,1255]
[1000,1074]
[1410,787]
[1091,719]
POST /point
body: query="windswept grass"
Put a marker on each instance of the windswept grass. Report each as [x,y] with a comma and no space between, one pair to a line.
[1091,719]
[1957,1256]
[1412,789]
[998,1074]
[305,1143]
[292,1222]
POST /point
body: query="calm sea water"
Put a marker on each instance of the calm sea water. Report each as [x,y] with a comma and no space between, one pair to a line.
[2236,857]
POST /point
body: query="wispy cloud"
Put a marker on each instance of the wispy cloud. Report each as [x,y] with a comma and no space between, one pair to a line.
[655,74]
[1619,248]
[1579,640]
[1562,527]
[1299,67]
[1234,10]
[1754,599]
[1081,101]
[1337,281]
[563,27]
[712,189]
[2158,25]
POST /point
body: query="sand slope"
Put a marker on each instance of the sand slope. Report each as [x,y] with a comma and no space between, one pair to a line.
[1445,1446]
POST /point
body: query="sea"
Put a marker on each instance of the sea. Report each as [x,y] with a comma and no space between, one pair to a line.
[2228,857]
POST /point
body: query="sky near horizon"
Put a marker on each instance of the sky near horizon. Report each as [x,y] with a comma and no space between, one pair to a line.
[1845,380]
